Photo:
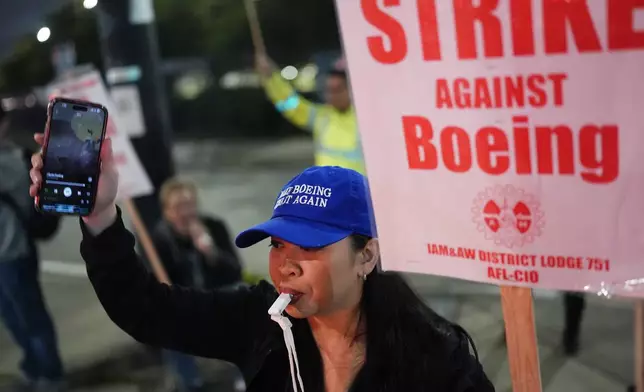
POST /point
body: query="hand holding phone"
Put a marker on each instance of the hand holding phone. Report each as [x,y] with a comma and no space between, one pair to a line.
[71,159]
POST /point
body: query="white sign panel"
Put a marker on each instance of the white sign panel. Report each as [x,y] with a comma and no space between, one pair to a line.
[133,180]
[141,11]
[127,100]
[503,138]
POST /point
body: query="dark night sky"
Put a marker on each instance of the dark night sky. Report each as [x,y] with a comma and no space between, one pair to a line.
[20,17]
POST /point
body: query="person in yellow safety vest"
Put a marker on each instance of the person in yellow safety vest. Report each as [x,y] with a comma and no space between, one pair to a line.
[333,124]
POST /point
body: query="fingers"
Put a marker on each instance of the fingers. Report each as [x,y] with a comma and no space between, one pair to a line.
[33,190]
[36,161]
[39,138]
[108,164]
[107,155]
[36,180]
[34,173]
[36,176]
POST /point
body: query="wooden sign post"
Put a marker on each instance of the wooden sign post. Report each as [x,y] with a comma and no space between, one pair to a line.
[146,242]
[638,335]
[521,338]
[255,29]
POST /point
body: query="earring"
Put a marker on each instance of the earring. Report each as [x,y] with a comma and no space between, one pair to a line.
[364,276]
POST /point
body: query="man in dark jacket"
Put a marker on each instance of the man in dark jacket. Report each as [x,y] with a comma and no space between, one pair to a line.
[196,251]
[22,307]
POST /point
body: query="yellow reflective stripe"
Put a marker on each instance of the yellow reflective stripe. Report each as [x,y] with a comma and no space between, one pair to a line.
[310,122]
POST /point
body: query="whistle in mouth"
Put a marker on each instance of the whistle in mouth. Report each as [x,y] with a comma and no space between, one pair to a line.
[280,304]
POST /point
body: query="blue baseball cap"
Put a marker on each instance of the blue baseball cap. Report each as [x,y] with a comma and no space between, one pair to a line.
[318,207]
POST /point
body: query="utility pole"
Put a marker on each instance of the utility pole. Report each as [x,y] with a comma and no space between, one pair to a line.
[131,58]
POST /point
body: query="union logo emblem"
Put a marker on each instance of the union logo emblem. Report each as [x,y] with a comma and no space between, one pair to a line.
[508,216]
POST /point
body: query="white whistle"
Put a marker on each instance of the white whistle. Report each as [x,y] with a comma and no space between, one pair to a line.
[280,304]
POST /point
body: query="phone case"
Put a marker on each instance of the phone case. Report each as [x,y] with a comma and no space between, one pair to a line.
[50,107]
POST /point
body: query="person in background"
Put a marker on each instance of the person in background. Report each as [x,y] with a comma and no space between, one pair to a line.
[574,305]
[333,124]
[22,307]
[196,251]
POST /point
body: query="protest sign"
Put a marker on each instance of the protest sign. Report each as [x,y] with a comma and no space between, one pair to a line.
[503,138]
[133,179]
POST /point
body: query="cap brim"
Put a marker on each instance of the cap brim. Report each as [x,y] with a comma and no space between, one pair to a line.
[303,233]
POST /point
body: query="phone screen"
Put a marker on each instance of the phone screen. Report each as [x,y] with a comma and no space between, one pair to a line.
[72,158]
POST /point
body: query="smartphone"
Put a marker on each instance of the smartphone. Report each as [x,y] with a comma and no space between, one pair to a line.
[71,157]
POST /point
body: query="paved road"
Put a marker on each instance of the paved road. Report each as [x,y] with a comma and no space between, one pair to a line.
[239,182]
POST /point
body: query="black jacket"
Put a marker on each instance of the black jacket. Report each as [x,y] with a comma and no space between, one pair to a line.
[233,325]
[183,262]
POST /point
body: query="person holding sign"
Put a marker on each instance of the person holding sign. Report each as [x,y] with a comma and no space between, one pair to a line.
[333,124]
[348,326]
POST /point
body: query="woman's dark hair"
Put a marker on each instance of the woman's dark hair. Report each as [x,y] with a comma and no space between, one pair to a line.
[404,336]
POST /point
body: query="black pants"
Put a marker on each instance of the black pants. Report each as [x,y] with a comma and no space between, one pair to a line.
[24,313]
[574,305]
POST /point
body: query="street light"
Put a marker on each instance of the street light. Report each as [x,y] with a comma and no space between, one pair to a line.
[289,72]
[43,34]
[89,4]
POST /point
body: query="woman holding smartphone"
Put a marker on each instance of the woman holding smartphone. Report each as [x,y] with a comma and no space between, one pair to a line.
[348,326]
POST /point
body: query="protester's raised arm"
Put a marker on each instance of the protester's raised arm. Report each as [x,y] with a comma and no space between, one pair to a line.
[214,324]
[295,108]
